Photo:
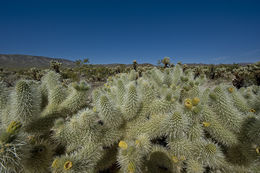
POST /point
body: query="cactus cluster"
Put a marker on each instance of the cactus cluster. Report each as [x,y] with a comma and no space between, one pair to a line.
[163,121]
[242,75]
[28,113]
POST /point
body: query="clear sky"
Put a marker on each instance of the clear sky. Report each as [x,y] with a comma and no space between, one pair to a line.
[119,31]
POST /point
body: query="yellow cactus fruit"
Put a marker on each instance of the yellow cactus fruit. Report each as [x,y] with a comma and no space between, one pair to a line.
[195,101]
[106,85]
[187,100]
[206,124]
[137,142]
[2,150]
[230,89]
[131,167]
[94,109]
[173,86]
[13,127]
[68,165]
[54,163]
[182,158]
[31,139]
[175,159]
[252,110]
[8,145]
[123,145]
[211,148]
[188,103]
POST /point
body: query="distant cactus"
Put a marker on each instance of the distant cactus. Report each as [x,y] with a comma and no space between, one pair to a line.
[36,74]
[55,66]
[135,65]
[166,62]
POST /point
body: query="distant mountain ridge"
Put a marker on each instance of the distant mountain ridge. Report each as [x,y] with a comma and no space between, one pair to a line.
[28,61]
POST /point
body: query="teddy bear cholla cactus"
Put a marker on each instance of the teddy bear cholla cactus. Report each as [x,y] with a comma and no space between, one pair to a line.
[163,122]
[27,114]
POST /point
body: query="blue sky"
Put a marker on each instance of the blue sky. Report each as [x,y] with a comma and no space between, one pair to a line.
[119,31]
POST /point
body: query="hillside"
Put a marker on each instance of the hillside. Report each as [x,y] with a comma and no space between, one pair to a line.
[27,61]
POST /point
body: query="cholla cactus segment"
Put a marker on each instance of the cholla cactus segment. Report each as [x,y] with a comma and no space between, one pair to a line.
[133,75]
[120,91]
[131,105]
[194,166]
[109,113]
[175,125]
[167,78]
[239,102]
[177,72]
[210,154]
[130,158]
[153,127]
[131,167]
[111,136]
[181,148]
[205,96]
[156,76]
[195,132]
[161,106]
[3,95]
[254,132]
[56,95]
[51,79]
[95,96]
[143,143]
[26,102]
[216,129]
[194,92]
[255,103]
[230,117]
[76,100]
[148,95]
[84,127]
[82,86]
